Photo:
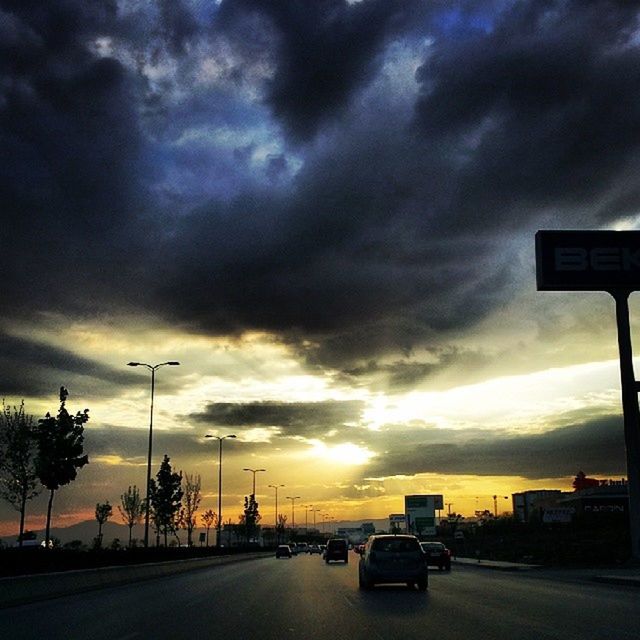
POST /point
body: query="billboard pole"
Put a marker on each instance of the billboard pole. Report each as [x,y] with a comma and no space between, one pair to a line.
[631,415]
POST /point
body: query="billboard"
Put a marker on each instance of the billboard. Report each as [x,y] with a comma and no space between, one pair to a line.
[420,513]
[588,260]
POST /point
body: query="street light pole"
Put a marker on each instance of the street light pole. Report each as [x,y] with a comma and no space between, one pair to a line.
[293,511]
[254,471]
[153,369]
[314,511]
[276,487]
[219,527]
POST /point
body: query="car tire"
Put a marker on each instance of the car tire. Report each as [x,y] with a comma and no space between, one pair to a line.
[423,584]
[364,583]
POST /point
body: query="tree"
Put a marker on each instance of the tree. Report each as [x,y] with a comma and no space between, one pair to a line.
[103,513]
[60,451]
[281,527]
[251,516]
[190,506]
[209,518]
[18,450]
[166,498]
[131,508]
[582,482]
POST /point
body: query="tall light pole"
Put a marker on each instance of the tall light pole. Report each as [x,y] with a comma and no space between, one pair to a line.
[153,368]
[276,487]
[219,439]
[314,511]
[306,518]
[495,504]
[254,471]
[293,510]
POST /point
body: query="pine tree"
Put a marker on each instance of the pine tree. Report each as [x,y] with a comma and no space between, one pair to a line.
[166,498]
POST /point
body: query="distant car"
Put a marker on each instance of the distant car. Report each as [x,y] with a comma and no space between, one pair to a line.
[314,548]
[302,547]
[337,549]
[392,559]
[283,551]
[437,555]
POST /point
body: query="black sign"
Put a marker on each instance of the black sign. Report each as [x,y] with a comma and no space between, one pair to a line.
[588,260]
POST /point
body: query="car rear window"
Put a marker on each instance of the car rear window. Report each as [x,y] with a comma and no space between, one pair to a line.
[433,546]
[337,544]
[396,545]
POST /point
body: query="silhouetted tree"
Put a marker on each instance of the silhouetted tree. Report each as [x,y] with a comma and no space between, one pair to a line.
[251,516]
[209,518]
[582,482]
[166,498]
[190,505]
[18,451]
[131,508]
[281,527]
[60,450]
[103,513]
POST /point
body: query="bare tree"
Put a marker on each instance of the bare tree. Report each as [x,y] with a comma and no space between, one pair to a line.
[191,502]
[103,513]
[18,450]
[209,518]
[132,508]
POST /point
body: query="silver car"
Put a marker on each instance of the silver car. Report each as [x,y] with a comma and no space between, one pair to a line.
[393,558]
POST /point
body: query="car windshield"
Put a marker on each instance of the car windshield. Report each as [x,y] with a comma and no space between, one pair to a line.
[395,545]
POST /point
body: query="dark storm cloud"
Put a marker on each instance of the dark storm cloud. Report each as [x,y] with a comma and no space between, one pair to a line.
[30,368]
[537,112]
[412,202]
[71,175]
[397,232]
[308,419]
[324,50]
[596,446]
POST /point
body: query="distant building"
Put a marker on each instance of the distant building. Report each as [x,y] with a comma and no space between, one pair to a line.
[608,501]
[526,502]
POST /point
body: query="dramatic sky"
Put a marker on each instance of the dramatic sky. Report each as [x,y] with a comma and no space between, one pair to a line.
[325,210]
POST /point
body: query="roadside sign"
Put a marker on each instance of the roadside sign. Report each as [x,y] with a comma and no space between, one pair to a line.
[603,261]
[588,260]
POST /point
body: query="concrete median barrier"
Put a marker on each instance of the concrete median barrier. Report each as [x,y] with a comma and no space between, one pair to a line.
[34,588]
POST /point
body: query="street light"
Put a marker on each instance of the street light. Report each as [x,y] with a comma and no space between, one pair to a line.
[254,471]
[220,439]
[495,504]
[153,369]
[276,487]
[293,511]
[314,511]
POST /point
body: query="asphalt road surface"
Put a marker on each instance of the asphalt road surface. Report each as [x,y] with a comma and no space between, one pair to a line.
[303,598]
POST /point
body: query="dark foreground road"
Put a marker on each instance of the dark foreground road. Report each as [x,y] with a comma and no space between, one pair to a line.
[303,598]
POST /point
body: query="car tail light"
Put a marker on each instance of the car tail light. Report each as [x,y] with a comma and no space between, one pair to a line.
[447,552]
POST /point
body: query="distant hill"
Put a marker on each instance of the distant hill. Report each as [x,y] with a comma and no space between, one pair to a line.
[87,530]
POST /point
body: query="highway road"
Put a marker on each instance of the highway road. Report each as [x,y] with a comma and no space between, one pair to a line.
[303,598]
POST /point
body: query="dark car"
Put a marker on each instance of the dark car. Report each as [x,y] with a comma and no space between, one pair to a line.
[283,551]
[392,559]
[337,549]
[437,555]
